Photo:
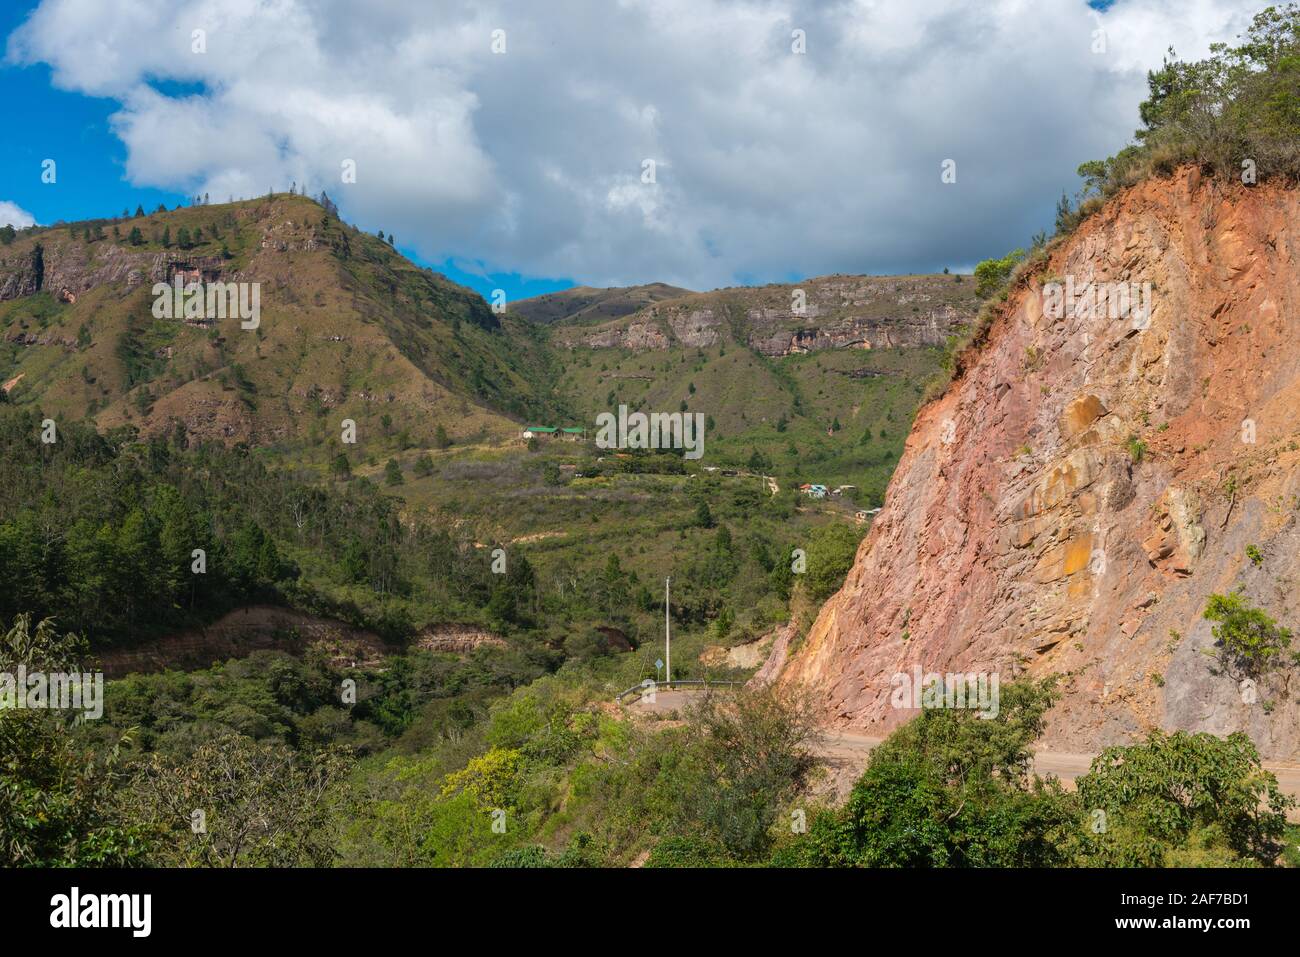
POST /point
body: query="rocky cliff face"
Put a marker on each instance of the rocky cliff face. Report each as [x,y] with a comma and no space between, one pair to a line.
[71,268]
[1091,476]
[832,312]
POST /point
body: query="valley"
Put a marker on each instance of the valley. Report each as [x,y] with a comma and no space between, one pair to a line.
[987,568]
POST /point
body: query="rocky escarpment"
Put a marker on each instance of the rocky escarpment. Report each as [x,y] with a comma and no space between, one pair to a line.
[67,269]
[833,312]
[21,274]
[1091,477]
[456,639]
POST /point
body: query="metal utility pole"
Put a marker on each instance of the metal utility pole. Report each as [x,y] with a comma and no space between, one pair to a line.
[668,640]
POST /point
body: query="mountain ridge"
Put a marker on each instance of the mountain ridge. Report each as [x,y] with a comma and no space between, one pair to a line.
[591,304]
[353,328]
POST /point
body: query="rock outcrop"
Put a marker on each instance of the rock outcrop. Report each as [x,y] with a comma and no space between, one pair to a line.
[73,268]
[456,639]
[831,312]
[1091,476]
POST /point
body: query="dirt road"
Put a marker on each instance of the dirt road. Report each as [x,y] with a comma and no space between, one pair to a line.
[846,753]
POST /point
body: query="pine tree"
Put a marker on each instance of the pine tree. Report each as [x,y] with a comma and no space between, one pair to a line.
[1063,214]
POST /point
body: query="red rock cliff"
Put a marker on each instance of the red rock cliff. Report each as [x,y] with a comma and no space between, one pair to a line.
[1082,486]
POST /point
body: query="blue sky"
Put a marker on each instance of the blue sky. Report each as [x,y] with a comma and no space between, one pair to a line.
[41,123]
[44,122]
[771,164]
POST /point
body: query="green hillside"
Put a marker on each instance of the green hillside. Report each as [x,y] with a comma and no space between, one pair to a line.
[826,396]
[349,328]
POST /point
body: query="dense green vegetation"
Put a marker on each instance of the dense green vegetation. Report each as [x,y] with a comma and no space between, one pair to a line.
[100,532]
[838,416]
[950,789]
[1236,113]
[276,772]
[104,532]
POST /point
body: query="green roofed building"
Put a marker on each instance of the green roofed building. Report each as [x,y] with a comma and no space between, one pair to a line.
[552,432]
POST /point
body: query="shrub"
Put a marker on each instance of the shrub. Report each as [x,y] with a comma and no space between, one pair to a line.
[744,759]
[489,779]
[992,274]
[831,550]
[393,473]
[1248,638]
[950,789]
[1182,800]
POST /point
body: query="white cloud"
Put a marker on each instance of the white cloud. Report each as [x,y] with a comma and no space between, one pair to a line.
[768,163]
[13,215]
